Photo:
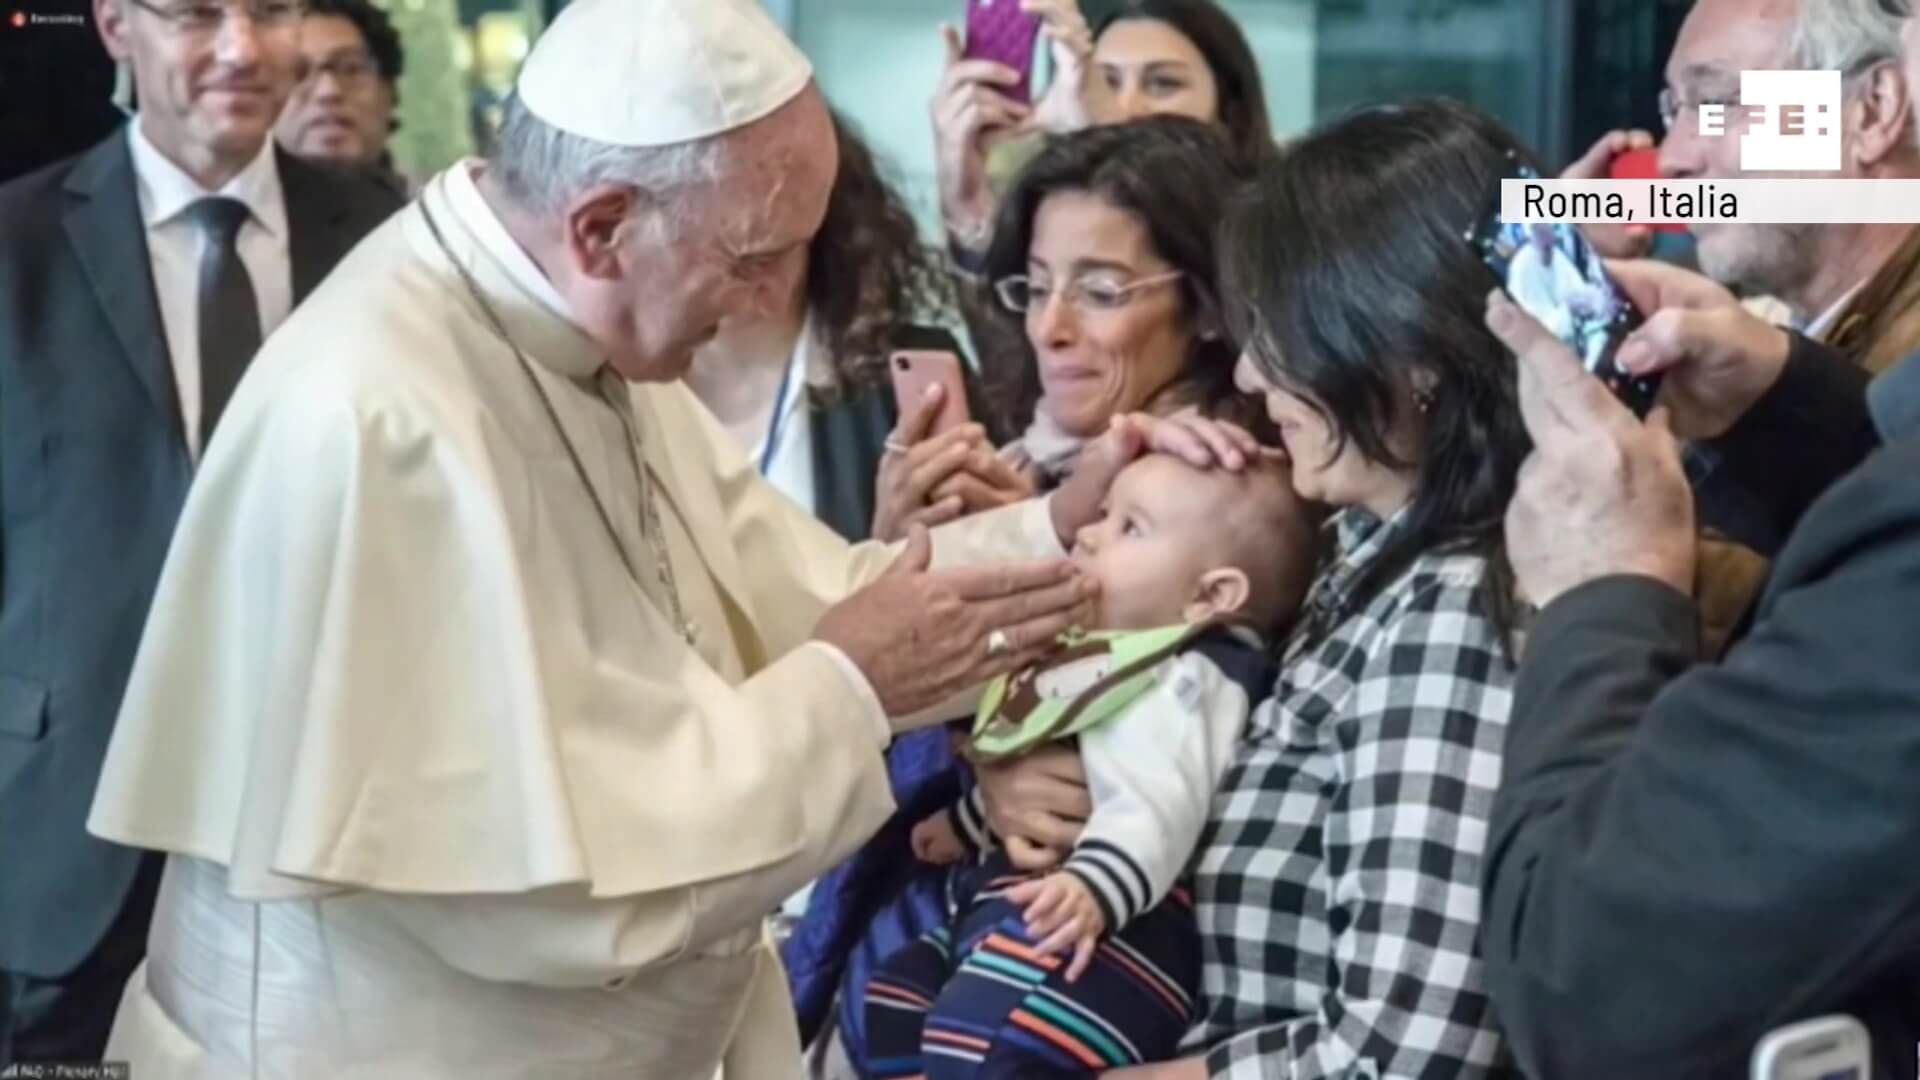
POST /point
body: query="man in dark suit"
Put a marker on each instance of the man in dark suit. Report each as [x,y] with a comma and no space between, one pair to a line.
[136,280]
[1686,855]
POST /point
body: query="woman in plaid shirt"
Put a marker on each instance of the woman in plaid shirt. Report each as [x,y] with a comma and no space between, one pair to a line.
[1338,884]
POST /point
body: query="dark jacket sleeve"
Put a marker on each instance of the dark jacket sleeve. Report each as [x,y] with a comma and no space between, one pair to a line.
[1801,436]
[1685,857]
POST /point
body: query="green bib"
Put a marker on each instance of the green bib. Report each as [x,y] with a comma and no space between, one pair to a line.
[1096,676]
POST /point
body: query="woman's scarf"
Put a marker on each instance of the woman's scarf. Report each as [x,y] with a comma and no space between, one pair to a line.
[1045,449]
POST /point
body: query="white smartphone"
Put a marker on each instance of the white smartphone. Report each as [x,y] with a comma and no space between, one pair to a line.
[1829,1048]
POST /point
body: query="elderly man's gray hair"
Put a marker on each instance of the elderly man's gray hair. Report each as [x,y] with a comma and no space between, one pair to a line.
[544,168]
[1844,35]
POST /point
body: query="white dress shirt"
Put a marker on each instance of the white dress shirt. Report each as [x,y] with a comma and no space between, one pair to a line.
[174,242]
[1823,324]
[789,466]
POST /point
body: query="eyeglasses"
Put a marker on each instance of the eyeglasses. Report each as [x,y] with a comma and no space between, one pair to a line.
[1672,104]
[1092,293]
[348,68]
[198,19]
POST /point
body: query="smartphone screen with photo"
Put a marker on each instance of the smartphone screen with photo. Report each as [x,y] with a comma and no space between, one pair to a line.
[1552,273]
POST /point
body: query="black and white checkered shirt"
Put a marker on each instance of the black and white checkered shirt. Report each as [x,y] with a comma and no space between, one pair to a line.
[1338,884]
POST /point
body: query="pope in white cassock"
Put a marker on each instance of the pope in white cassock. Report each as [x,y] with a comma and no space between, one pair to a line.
[1543,279]
[490,697]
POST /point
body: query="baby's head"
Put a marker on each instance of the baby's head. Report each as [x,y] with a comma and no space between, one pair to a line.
[1179,544]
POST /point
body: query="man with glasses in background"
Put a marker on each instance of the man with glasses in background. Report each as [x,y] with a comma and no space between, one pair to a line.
[1852,285]
[341,111]
[136,281]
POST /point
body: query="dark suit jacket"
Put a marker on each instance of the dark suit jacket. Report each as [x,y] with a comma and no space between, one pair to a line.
[93,472]
[1684,856]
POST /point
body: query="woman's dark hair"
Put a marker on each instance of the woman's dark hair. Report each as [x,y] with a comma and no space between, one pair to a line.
[868,273]
[1172,174]
[1347,270]
[1243,98]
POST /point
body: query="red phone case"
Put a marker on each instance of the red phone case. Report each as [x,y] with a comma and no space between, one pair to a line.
[998,30]
[1641,165]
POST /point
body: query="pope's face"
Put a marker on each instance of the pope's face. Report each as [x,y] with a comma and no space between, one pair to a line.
[734,248]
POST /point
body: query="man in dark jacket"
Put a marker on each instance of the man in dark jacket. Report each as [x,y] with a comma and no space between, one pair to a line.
[1686,855]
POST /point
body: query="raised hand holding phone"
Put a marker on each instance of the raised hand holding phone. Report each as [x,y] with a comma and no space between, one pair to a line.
[971,110]
[914,371]
[1552,272]
[1003,32]
[1078,96]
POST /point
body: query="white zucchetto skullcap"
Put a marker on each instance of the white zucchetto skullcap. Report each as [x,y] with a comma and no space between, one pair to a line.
[660,72]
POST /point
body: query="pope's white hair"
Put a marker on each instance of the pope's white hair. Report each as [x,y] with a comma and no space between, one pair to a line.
[544,168]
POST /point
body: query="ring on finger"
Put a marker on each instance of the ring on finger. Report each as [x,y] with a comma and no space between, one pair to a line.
[895,446]
[998,644]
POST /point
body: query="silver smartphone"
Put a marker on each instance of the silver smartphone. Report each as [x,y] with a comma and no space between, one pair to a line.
[1829,1048]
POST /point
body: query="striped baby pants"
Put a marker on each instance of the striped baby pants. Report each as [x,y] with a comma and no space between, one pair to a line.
[972,1001]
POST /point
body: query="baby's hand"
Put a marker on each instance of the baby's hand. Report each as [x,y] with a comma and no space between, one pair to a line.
[1061,911]
[936,841]
[1029,856]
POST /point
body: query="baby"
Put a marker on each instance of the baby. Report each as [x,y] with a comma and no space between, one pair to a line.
[1196,567]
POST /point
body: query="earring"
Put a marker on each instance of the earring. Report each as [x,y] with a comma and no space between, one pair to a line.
[1423,400]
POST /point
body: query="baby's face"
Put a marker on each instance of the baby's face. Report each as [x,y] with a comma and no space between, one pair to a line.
[1151,546]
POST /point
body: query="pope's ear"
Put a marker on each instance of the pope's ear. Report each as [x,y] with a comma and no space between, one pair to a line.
[597,221]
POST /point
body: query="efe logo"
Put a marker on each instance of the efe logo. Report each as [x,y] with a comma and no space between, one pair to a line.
[1795,121]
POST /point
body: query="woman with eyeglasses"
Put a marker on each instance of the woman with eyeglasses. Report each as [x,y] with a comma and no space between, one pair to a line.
[1104,264]
[1103,258]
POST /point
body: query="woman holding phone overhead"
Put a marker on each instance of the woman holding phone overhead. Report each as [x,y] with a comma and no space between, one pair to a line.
[1139,58]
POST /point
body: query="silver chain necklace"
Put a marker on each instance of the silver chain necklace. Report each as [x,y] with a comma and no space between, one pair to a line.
[650,522]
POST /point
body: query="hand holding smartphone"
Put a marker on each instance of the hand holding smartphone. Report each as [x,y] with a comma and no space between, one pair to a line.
[914,370]
[1552,273]
[999,31]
